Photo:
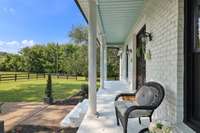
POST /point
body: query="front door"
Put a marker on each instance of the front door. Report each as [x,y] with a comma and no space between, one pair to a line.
[140,59]
[192,64]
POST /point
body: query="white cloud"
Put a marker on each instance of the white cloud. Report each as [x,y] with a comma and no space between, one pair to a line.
[11,10]
[15,46]
[12,43]
[27,43]
[8,10]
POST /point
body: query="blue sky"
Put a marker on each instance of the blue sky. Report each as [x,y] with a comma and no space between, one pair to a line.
[26,22]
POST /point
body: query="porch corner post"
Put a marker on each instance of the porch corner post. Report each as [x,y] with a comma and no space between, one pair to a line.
[105,62]
[102,66]
[92,57]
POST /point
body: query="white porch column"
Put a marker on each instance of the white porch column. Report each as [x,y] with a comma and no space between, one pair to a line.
[92,57]
[105,62]
[102,66]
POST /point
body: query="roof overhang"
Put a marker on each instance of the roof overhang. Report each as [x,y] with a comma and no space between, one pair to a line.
[115,18]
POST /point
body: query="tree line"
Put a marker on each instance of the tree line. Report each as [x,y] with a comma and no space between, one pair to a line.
[57,58]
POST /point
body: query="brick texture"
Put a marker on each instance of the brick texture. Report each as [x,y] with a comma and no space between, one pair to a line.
[165,20]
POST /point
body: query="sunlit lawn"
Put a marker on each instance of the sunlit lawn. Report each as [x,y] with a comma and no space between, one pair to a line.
[33,90]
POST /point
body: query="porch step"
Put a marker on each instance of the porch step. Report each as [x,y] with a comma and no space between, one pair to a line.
[75,117]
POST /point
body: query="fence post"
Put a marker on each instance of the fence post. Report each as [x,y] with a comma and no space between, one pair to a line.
[28,76]
[0,77]
[15,77]
[1,126]
[44,75]
[36,75]
[76,77]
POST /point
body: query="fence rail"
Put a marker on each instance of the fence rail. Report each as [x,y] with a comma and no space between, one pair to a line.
[67,76]
[24,76]
[15,77]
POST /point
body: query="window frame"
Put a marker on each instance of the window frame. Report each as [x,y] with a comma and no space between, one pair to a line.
[190,38]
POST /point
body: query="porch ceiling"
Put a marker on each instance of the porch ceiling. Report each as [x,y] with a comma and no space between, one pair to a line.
[115,17]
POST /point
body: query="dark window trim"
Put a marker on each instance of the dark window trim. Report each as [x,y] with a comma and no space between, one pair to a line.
[81,10]
[188,39]
[127,62]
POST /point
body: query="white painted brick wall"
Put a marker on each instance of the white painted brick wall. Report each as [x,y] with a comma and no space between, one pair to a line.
[165,20]
[161,17]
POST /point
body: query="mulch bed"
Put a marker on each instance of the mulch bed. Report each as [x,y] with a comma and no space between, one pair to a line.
[73,100]
[41,129]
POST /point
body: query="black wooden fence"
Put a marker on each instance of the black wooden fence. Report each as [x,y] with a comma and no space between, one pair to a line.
[67,76]
[15,77]
[23,76]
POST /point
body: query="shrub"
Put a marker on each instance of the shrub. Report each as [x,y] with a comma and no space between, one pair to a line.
[48,91]
[84,90]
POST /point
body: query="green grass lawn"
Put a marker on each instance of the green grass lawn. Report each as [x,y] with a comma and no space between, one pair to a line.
[33,90]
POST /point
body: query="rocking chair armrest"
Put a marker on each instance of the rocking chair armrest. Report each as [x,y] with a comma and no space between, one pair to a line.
[124,94]
[132,108]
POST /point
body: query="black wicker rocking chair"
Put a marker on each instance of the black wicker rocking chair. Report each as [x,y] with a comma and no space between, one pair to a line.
[147,99]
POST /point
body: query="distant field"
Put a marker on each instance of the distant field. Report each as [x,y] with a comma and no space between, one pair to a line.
[33,90]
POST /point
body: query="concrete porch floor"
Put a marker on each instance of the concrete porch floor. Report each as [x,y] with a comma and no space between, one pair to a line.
[106,122]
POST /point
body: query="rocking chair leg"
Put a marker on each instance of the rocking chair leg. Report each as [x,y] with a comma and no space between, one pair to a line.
[117,117]
[139,121]
[125,124]
[150,119]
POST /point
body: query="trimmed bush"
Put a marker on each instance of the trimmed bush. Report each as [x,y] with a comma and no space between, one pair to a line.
[84,90]
[48,91]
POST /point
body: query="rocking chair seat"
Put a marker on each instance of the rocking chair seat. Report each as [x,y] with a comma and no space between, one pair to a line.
[122,107]
[147,99]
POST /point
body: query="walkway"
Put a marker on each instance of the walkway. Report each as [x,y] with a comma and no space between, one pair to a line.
[33,114]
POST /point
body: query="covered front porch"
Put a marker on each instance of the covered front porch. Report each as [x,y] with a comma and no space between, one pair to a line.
[105,121]
[150,37]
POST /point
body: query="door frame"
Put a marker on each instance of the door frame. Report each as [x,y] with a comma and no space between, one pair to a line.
[188,73]
[127,63]
[137,36]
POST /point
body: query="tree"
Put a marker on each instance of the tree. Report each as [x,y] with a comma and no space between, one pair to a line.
[12,62]
[113,62]
[52,53]
[34,58]
[67,58]
[79,35]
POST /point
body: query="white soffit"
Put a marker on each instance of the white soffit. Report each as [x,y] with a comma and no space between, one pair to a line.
[117,17]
